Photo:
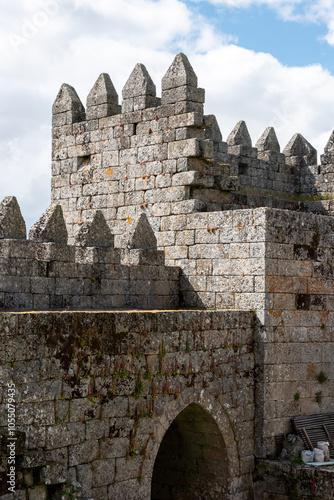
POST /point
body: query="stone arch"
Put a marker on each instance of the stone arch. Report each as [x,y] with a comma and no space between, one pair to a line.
[196,455]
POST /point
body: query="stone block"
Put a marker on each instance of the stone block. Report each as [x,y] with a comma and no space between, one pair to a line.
[38,493]
[186,148]
[184,93]
[192,179]
[83,453]
[113,448]
[65,435]
[186,120]
[85,476]
[54,473]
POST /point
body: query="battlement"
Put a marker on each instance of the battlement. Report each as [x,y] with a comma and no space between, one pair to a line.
[44,272]
[166,157]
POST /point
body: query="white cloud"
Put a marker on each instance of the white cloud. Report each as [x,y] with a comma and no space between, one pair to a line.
[154,23]
[82,39]
[256,87]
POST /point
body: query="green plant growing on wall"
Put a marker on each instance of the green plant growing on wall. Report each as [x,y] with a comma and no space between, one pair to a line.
[318,397]
[162,350]
[296,396]
[138,389]
[187,344]
[322,377]
[297,460]
[121,374]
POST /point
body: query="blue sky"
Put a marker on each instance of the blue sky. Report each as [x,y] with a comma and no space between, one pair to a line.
[259,27]
[269,62]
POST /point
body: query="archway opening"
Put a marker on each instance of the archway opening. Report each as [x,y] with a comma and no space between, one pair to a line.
[192,461]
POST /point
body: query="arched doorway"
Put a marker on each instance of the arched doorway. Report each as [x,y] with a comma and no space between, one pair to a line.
[192,461]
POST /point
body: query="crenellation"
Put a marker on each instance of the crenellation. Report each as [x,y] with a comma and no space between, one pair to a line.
[240,136]
[299,149]
[102,100]
[139,91]
[44,272]
[67,108]
[268,141]
[180,73]
[12,225]
[50,227]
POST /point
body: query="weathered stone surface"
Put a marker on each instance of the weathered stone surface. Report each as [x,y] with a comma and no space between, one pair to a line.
[38,493]
[185,148]
[298,146]
[102,92]
[328,156]
[329,148]
[193,179]
[229,183]
[212,130]
[12,225]
[139,84]
[268,141]
[102,100]
[184,93]
[180,73]
[281,480]
[95,233]
[239,135]
[50,227]
[39,275]
[68,101]
[292,447]
[97,407]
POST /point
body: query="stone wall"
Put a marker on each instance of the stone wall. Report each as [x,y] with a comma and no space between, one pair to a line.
[278,263]
[274,262]
[277,480]
[296,345]
[96,393]
[222,257]
[45,273]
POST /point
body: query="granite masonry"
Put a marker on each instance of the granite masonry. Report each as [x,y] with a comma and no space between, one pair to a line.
[172,309]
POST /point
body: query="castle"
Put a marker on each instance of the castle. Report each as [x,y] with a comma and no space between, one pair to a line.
[171,310]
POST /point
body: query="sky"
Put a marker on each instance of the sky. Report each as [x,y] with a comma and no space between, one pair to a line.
[268,62]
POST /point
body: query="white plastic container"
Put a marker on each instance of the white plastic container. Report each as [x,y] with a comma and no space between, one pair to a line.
[319,455]
[324,445]
[307,456]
